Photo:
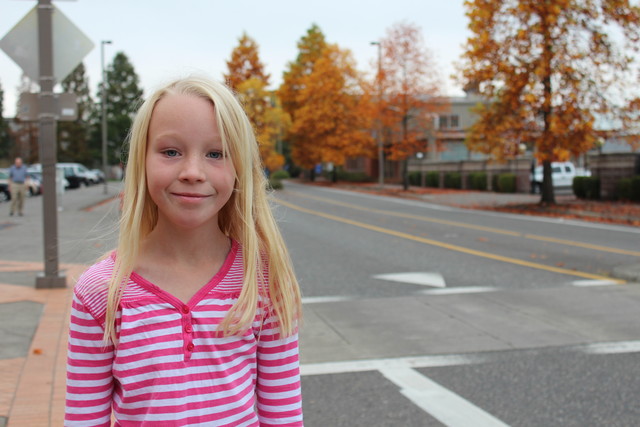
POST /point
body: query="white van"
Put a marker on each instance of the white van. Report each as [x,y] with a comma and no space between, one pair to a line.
[562,174]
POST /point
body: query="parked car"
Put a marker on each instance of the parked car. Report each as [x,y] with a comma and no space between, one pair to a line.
[5,194]
[99,175]
[76,174]
[34,183]
[562,174]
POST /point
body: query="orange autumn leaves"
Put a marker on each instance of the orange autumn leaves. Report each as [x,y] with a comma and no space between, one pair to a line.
[556,73]
[325,110]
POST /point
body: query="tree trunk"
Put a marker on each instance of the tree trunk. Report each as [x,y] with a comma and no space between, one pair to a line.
[548,197]
[405,174]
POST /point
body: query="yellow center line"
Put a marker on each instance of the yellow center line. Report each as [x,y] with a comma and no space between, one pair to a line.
[449,246]
[476,227]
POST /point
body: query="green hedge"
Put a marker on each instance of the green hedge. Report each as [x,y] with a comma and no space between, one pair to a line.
[353,176]
[477,181]
[275,184]
[586,187]
[280,174]
[504,183]
[433,179]
[415,179]
[452,180]
[629,189]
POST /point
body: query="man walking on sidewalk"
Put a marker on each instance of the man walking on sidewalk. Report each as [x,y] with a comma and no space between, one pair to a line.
[17,186]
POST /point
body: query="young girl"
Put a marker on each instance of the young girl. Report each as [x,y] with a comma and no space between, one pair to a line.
[193,319]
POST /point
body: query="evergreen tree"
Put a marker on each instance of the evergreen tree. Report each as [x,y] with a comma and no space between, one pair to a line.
[4,132]
[123,97]
[73,136]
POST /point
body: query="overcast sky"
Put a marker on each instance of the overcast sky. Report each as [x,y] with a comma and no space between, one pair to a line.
[169,38]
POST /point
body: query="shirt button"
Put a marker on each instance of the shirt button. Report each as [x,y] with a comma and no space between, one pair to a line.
[190,346]
[185,309]
[188,329]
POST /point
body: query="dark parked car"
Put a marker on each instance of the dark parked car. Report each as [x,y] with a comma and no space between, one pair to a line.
[5,194]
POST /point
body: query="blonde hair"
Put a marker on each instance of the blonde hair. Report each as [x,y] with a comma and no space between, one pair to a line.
[246,218]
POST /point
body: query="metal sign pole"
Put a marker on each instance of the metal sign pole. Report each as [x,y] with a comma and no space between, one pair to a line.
[47,141]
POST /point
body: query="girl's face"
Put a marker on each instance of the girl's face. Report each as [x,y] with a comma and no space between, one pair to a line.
[188,177]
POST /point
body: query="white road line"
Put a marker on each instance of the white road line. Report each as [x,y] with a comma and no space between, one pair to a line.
[585,283]
[441,403]
[459,290]
[319,300]
[378,364]
[417,278]
[612,347]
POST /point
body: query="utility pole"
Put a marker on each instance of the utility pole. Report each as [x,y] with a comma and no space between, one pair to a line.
[379,130]
[104,117]
[52,277]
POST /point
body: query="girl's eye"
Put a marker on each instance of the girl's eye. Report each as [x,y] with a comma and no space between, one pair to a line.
[215,155]
[170,153]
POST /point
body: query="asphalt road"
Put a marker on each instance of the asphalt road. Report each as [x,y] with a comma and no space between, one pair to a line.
[421,315]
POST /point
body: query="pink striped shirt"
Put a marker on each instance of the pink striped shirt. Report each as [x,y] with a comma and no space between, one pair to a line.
[171,366]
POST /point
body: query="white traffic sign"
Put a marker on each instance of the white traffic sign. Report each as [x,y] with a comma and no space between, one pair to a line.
[70,45]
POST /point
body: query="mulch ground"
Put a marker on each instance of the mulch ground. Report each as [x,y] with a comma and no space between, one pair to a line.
[611,212]
[623,213]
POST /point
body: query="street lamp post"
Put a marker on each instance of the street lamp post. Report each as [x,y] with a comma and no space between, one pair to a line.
[104,117]
[379,130]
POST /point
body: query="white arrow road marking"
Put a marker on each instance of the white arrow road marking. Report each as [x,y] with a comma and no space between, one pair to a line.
[425,279]
[441,403]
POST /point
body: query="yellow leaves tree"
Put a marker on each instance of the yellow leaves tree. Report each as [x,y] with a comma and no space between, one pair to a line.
[550,69]
[245,63]
[247,76]
[329,126]
[323,93]
[409,83]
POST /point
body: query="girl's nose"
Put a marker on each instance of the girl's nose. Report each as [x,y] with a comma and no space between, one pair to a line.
[193,170]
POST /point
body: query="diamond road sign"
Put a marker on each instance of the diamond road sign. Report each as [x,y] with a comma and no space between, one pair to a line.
[70,45]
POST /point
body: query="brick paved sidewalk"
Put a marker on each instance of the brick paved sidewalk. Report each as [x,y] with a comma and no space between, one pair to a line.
[33,387]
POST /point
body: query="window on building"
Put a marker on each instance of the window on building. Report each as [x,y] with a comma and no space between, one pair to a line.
[450,122]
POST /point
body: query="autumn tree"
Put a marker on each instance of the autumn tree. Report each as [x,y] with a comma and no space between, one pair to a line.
[550,70]
[73,136]
[247,76]
[245,63]
[310,48]
[409,86]
[329,125]
[322,91]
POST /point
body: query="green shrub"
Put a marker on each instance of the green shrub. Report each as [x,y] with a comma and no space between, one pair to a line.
[586,187]
[635,188]
[629,189]
[505,183]
[275,184]
[415,179]
[452,180]
[432,179]
[280,174]
[477,181]
[353,176]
